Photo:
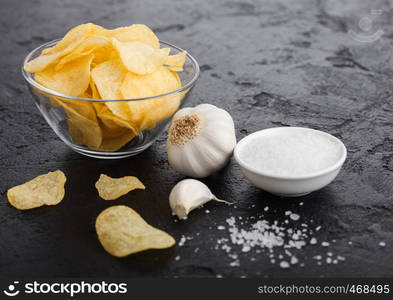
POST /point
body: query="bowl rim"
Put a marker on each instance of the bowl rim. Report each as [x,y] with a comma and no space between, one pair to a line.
[323,172]
[28,76]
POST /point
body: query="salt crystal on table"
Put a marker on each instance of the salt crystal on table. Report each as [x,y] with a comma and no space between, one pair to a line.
[294,260]
[284,264]
[294,217]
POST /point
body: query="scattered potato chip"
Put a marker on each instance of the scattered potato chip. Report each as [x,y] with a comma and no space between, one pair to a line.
[140,58]
[112,188]
[47,189]
[122,231]
[73,79]
[176,62]
[82,122]
[97,44]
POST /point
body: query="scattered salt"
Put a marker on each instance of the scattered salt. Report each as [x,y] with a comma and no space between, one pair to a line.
[177,258]
[266,208]
[294,217]
[284,264]
[325,244]
[382,244]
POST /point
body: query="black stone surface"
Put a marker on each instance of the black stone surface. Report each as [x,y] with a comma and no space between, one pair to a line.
[269,63]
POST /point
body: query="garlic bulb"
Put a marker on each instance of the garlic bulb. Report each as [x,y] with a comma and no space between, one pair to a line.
[201,140]
[189,194]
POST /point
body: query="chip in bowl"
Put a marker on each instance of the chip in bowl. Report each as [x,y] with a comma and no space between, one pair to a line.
[125,63]
[113,188]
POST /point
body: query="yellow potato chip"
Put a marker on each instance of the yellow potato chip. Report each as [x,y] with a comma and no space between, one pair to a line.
[176,62]
[112,188]
[122,231]
[137,86]
[164,108]
[99,46]
[70,41]
[78,33]
[111,123]
[108,77]
[47,189]
[82,123]
[140,58]
[73,79]
[124,63]
[135,33]
[115,143]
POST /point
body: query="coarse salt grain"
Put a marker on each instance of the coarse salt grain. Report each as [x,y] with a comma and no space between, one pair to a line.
[294,217]
[284,264]
[382,244]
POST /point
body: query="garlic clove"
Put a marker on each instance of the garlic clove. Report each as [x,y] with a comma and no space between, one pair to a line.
[187,195]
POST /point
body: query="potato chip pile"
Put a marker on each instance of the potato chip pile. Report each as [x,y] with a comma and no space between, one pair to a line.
[123,63]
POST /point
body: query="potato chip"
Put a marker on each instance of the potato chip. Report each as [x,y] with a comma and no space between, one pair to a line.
[124,63]
[137,86]
[73,79]
[112,188]
[176,62]
[77,33]
[135,33]
[108,77]
[140,58]
[47,189]
[115,143]
[122,231]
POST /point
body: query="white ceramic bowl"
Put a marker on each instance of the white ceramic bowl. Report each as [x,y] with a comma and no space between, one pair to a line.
[289,186]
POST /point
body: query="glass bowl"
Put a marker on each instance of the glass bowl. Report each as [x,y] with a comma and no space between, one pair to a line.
[106,137]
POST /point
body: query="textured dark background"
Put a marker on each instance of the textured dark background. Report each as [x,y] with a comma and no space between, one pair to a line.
[269,63]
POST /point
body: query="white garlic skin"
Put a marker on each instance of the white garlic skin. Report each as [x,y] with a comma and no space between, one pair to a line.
[211,149]
[187,195]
